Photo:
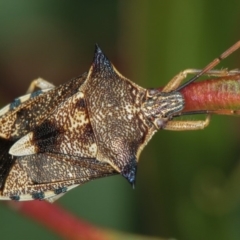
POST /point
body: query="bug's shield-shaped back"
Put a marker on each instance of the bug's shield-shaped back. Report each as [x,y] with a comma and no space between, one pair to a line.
[90,127]
[114,106]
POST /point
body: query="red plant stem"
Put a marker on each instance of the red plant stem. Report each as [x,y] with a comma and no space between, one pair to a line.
[66,225]
[220,95]
[60,221]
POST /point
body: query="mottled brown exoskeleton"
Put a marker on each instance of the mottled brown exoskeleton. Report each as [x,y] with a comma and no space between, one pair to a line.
[95,125]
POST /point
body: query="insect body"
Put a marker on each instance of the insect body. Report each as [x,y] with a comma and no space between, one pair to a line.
[95,125]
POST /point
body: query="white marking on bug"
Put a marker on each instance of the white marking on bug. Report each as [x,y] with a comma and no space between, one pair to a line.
[81,94]
[23,146]
[5,198]
[93,148]
[50,195]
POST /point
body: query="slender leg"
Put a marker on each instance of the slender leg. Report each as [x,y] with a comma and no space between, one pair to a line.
[211,65]
[178,79]
[174,84]
[187,125]
[39,83]
[195,125]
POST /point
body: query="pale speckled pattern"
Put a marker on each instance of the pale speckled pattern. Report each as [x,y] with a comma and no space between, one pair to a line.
[93,126]
[19,121]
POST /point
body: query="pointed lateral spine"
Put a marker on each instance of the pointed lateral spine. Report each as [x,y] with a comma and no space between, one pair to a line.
[101,62]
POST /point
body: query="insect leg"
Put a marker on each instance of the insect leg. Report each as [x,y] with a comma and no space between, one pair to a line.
[39,83]
[211,65]
[178,79]
[187,125]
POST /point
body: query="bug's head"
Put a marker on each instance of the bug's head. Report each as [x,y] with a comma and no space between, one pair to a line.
[159,107]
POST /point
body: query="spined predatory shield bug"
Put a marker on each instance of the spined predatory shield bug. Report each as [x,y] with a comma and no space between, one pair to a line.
[95,125]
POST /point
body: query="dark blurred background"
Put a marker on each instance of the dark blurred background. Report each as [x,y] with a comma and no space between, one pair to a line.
[187,182]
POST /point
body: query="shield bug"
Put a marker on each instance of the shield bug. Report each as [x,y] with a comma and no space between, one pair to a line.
[95,125]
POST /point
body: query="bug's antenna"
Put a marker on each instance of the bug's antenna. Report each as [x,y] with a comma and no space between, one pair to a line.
[211,65]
